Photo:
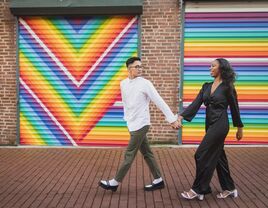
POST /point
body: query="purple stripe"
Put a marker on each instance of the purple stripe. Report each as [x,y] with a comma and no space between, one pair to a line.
[225,19]
[48,122]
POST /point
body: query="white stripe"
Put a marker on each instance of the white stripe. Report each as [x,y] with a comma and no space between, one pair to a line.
[233,60]
[118,104]
[223,6]
[57,61]
[107,50]
[259,104]
[54,58]
[48,112]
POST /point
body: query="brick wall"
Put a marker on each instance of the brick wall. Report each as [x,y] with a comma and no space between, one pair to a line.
[7,75]
[160,56]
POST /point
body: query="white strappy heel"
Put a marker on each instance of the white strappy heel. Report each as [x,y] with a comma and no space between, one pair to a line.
[233,193]
[186,195]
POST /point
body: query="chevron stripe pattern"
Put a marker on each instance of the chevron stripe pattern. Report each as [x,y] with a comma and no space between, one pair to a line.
[70,70]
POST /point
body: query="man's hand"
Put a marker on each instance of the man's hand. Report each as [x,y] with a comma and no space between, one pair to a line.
[239,133]
[179,122]
[175,125]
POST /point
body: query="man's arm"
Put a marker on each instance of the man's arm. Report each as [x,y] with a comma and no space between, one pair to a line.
[123,101]
[160,103]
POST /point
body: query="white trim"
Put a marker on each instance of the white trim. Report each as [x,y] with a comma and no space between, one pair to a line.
[118,104]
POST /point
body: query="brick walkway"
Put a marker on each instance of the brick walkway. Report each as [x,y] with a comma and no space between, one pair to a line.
[68,178]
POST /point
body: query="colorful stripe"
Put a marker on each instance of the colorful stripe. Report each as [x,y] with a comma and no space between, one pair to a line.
[242,38]
[70,71]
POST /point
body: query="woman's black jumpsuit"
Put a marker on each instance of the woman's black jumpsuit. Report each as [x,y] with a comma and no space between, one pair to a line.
[210,153]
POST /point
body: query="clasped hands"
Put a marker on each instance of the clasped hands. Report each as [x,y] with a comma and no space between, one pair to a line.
[178,123]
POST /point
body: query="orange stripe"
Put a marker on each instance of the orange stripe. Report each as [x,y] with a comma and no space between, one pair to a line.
[78,63]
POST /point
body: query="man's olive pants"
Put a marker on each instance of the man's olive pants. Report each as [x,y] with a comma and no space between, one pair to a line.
[138,141]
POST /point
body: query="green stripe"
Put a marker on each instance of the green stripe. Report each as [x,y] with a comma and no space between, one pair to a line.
[83,38]
[114,123]
[46,75]
[35,125]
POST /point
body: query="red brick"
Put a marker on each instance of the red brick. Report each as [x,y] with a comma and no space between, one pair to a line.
[8,75]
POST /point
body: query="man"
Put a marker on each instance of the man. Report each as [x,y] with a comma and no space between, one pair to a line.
[137,93]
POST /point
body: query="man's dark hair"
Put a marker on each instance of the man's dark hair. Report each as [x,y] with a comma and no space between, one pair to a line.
[132,60]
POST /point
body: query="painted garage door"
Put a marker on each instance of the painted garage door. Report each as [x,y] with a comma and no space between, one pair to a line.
[238,32]
[69,71]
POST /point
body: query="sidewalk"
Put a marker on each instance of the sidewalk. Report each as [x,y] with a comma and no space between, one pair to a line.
[56,177]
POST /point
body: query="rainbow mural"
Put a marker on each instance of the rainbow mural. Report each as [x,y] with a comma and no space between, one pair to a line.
[239,34]
[70,70]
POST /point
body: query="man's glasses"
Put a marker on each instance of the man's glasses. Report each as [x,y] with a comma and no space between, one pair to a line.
[137,67]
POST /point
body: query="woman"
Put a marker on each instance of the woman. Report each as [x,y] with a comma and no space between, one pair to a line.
[210,154]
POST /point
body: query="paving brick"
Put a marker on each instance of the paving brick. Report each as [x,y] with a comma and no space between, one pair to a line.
[40,177]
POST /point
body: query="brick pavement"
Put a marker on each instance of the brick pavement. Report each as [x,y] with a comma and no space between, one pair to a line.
[56,177]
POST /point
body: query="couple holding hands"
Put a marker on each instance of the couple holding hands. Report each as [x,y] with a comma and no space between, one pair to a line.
[137,93]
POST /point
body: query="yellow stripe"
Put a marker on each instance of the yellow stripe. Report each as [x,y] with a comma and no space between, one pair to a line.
[97,102]
[55,36]
[29,133]
[101,34]
[36,77]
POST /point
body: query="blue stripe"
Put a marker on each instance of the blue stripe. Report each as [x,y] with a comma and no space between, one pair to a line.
[36,114]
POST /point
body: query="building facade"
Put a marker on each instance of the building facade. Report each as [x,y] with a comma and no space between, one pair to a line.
[61,67]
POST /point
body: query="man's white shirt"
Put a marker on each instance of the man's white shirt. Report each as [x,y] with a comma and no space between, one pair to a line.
[136,96]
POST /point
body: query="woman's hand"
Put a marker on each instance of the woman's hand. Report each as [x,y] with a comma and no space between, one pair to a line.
[180,118]
[177,124]
[239,133]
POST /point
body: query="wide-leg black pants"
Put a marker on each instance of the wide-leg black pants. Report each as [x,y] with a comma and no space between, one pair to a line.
[210,155]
